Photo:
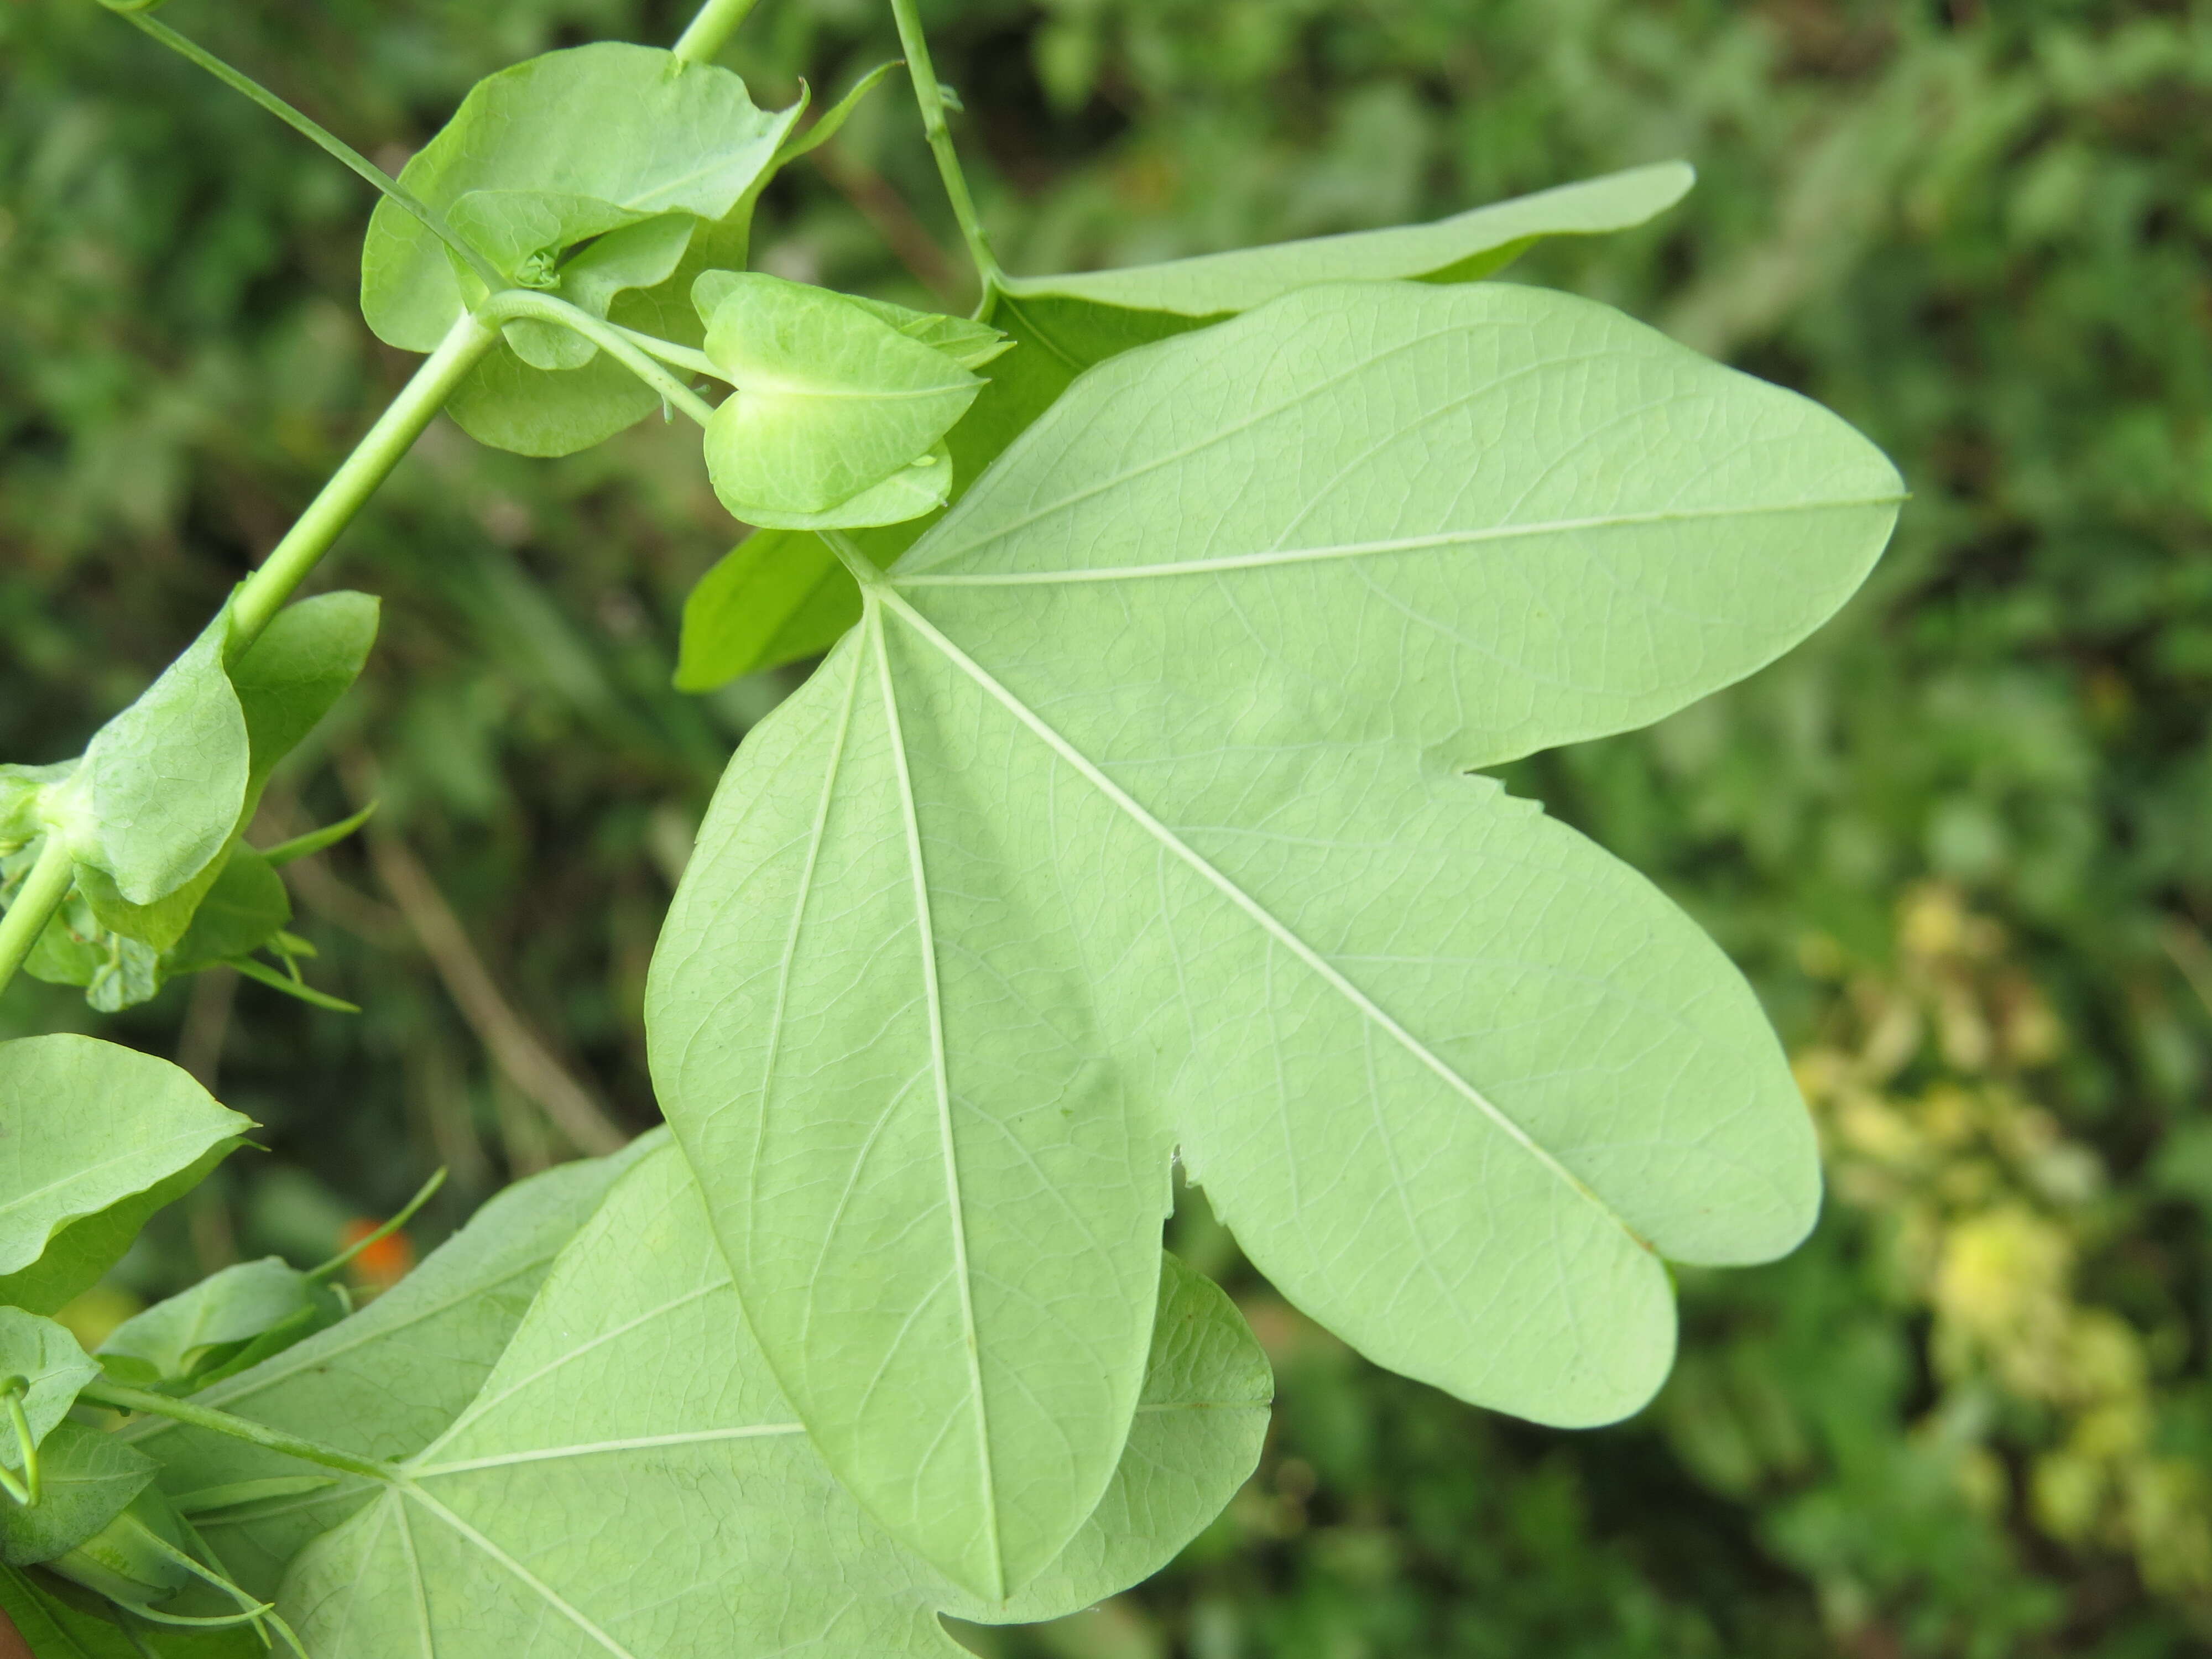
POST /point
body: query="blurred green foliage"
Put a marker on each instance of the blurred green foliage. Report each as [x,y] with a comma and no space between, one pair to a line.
[1973,1415]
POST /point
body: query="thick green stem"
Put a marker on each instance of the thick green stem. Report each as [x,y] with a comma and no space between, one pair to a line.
[710,31]
[263,593]
[930,97]
[123,1398]
[35,903]
[615,342]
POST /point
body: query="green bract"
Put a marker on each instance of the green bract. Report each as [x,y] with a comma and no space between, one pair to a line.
[547,1520]
[588,174]
[772,603]
[835,408]
[233,1315]
[93,1138]
[1457,1079]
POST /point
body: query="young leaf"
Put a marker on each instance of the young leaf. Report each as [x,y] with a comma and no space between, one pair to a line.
[159,789]
[88,1478]
[1136,811]
[176,1342]
[830,399]
[76,1257]
[47,1357]
[296,673]
[631,1389]
[1065,324]
[579,142]
[244,908]
[385,1381]
[88,1125]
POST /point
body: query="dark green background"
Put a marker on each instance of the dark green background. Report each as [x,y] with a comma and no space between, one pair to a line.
[1981,232]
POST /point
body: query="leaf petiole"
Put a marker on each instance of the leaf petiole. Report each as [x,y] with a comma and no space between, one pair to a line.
[119,1396]
[35,904]
[328,140]
[26,1491]
[669,352]
[406,1214]
[516,302]
[930,97]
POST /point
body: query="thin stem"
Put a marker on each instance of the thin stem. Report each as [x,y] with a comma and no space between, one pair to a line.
[517,303]
[405,1215]
[263,593]
[710,31]
[863,569]
[327,140]
[669,352]
[35,903]
[25,1444]
[930,97]
[122,1397]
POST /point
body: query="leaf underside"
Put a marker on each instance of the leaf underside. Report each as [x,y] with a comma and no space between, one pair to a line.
[629,1482]
[1137,814]
[779,597]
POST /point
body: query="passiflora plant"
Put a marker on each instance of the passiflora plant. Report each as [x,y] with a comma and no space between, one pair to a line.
[1135,812]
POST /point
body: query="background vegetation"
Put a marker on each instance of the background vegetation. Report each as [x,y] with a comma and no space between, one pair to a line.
[1957,839]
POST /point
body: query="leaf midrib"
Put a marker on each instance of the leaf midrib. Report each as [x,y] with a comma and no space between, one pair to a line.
[886,596]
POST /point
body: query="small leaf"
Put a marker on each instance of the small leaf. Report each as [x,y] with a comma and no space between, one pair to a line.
[777,596]
[592,142]
[296,673]
[836,116]
[84,1249]
[245,908]
[386,1381]
[88,1478]
[159,790]
[48,1357]
[1063,324]
[196,1330]
[631,1382]
[830,399]
[918,488]
[21,790]
[1218,879]
[86,1126]
[969,344]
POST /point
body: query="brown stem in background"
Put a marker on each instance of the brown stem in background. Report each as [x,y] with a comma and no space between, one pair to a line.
[207,1022]
[519,1052]
[894,221]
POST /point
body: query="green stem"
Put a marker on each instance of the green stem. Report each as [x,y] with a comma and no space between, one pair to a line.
[263,593]
[543,307]
[930,97]
[710,31]
[123,1398]
[405,1215]
[328,140]
[26,1444]
[669,352]
[35,903]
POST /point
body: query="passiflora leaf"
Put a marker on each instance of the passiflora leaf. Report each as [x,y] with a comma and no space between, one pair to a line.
[592,142]
[47,1357]
[631,1390]
[87,1479]
[830,400]
[86,1127]
[1138,814]
[1065,324]
[382,1383]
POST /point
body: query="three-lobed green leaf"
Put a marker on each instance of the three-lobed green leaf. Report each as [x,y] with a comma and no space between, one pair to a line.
[629,1481]
[1137,814]
[779,597]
